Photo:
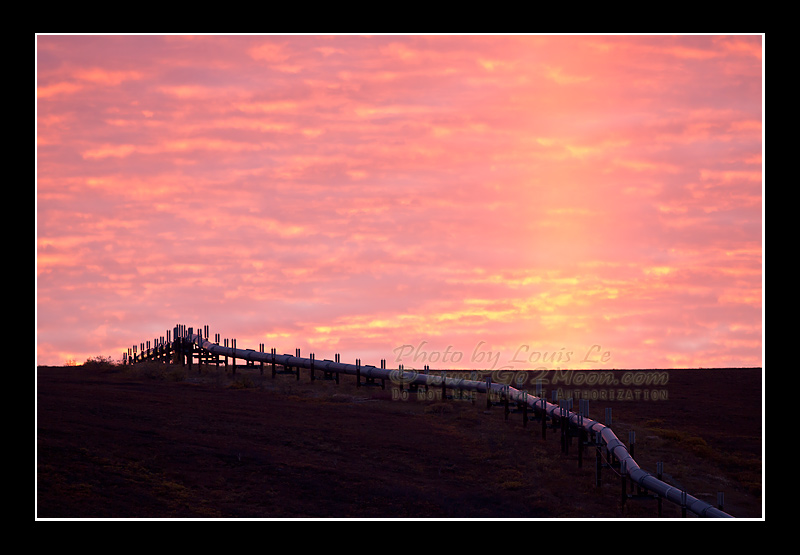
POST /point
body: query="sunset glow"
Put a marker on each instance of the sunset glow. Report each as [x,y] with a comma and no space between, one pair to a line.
[524,201]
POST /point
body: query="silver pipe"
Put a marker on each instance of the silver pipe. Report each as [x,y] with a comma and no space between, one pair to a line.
[613,444]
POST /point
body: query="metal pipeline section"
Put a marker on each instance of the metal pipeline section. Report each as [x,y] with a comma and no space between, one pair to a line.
[613,444]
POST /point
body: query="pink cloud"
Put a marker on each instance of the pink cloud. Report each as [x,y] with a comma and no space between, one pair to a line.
[360,193]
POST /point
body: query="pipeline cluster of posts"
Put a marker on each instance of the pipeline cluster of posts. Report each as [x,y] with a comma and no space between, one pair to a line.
[189,346]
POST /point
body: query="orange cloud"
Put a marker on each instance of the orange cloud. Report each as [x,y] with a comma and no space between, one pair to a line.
[57,89]
[105,77]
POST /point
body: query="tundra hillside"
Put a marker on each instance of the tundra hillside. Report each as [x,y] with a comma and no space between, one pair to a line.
[155,441]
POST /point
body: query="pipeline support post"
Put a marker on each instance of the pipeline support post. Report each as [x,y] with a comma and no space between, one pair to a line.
[190,350]
[525,410]
[233,358]
[659,475]
[631,445]
[544,419]
[598,465]
[622,473]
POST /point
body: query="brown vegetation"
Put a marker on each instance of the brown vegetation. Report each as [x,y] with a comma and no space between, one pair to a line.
[156,441]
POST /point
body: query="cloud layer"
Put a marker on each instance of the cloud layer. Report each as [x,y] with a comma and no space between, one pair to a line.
[503,194]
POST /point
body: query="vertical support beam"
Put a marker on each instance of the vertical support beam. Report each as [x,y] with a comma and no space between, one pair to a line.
[611,456]
[261,364]
[272,352]
[631,445]
[659,475]
[582,437]
[358,372]
[190,349]
[488,392]
[337,373]
[598,465]
[623,476]
[544,419]
[297,354]
[473,376]
[233,358]
[312,367]
[524,409]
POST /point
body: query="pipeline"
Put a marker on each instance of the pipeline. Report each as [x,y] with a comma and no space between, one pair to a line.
[614,446]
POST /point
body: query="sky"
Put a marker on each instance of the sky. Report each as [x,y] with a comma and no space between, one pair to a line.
[488,201]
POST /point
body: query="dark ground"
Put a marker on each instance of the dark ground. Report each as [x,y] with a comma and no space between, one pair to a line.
[153,443]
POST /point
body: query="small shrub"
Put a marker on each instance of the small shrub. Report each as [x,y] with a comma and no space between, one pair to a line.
[158,371]
[243,382]
[664,433]
[439,408]
[698,446]
[101,362]
[150,370]
[176,374]
[695,441]
[695,444]
[341,398]
[100,359]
